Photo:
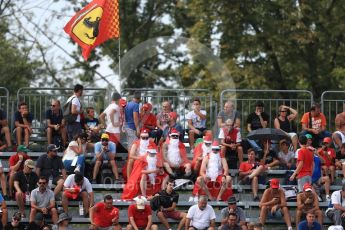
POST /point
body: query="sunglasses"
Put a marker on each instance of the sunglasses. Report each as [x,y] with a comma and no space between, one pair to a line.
[208,144]
[105,140]
[283,111]
[42,182]
[144,138]
[16,219]
[174,136]
[52,105]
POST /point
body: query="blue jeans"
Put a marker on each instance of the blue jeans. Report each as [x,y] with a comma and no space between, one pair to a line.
[80,163]
[255,146]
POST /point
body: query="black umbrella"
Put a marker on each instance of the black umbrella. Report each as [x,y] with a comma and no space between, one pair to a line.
[267,133]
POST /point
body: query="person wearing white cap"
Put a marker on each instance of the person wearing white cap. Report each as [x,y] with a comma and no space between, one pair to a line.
[175,155]
[214,168]
[140,215]
[307,201]
[24,182]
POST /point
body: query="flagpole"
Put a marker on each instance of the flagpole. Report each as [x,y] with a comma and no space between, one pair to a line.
[119,58]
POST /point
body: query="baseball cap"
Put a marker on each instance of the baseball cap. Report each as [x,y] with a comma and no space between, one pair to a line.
[274,183]
[232,200]
[327,140]
[22,148]
[307,187]
[140,201]
[173,115]
[309,136]
[104,136]
[147,107]
[52,147]
[30,163]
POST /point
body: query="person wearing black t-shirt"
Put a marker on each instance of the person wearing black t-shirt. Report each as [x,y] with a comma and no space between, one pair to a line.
[257,120]
[92,125]
[55,124]
[23,121]
[168,201]
[24,182]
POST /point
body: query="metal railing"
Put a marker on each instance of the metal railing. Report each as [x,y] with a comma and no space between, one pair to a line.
[245,99]
[4,100]
[331,104]
[180,100]
[39,99]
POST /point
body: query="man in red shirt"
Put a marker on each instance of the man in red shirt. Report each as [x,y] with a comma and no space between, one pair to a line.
[148,120]
[17,164]
[104,215]
[140,215]
[305,164]
[250,172]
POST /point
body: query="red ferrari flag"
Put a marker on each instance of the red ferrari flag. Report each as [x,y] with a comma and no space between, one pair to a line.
[94,24]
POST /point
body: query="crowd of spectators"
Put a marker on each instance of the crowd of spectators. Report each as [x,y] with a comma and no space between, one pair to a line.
[157,155]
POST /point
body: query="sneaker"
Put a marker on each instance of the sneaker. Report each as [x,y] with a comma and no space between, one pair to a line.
[77,169]
[256,198]
[191,199]
[328,198]
[290,228]
[7,198]
[93,182]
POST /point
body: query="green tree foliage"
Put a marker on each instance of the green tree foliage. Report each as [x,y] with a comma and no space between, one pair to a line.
[274,44]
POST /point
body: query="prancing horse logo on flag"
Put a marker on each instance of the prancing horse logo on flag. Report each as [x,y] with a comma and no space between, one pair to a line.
[86,28]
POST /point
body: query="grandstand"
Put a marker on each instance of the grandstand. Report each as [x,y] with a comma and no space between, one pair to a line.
[39,99]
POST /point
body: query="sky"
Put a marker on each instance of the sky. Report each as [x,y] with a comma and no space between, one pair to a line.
[56,14]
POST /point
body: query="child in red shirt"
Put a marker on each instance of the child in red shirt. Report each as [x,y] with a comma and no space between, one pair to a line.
[328,155]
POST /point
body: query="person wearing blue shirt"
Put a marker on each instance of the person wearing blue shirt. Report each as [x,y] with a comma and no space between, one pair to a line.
[104,150]
[318,179]
[132,128]
[309,223]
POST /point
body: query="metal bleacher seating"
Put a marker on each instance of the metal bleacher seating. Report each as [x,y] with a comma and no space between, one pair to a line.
[243,196]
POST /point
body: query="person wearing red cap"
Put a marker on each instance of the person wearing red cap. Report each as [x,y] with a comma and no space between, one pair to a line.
[231,144]
[214,168]
[273,203]
[147,169]
[175,156]
[110,118]
[148,120]
[308,201]
[138,149]
[328,155]
[196,122]
[200,151]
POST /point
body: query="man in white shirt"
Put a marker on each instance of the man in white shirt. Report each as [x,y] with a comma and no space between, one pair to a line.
[74,128]
[75,187]
[196,122]
[111,117]
[336,214]
[201,216]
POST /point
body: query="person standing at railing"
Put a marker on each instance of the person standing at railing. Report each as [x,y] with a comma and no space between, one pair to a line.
[4,130]
[110,118]
[74,128]
[23,121]
[196,123]
[132,127]
[285,123]
[257,120]
[55,126]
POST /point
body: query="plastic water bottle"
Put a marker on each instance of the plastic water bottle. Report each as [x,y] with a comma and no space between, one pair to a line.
[27,198]
[50,183]
[81,209]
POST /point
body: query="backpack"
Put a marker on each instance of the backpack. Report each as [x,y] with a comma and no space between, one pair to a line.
[67,112]
[290,193]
